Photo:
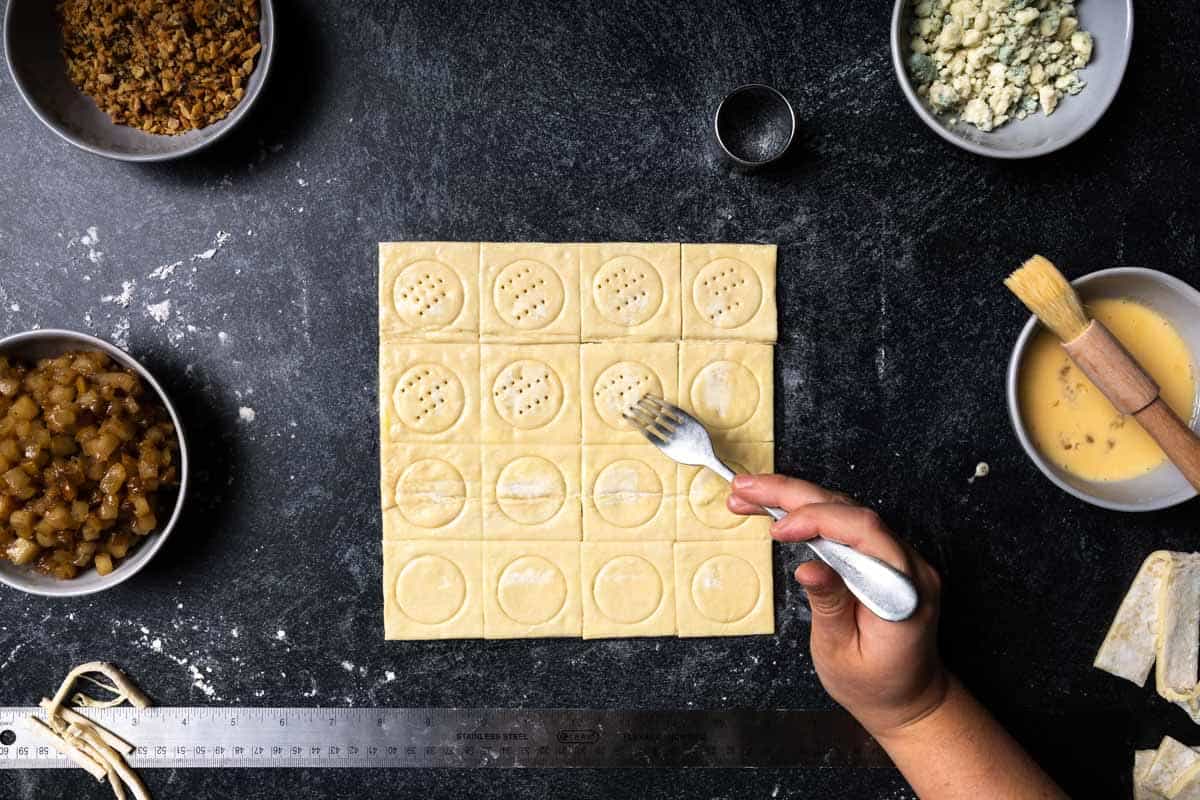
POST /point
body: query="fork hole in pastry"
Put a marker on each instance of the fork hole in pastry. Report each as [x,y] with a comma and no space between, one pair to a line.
[527,394]
[528,295]
[627,291]
[619,387]
[727,293]
[428,295]
[429,398]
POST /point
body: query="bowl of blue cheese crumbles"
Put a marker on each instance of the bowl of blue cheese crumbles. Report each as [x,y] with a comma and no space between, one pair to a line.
[1011,78]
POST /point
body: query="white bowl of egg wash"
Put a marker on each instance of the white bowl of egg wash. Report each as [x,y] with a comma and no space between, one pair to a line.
[1071,431]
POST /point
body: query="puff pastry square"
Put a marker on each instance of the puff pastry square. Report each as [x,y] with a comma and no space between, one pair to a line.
[628,493]
[428,392]
[531,589]
[724,588]
[614,377]
[628,589]
[630,291]
[433,590]
[429,290]
[529,292]
[729,292]
[530,393]
[531,491]
[730,387]
[701,511]
[431,491]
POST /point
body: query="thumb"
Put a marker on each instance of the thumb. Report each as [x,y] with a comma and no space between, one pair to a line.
[831,603]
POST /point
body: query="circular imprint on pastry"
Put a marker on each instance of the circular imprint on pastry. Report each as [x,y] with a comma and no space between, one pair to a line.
[725,588]
[430,589]
[528,295]
[619,387]
[531,590]
[727,293]
[627,291]
[430,493]
[706,497]
[429,398]
[627,493]
[428,294]
[527,394]
[724,394]
[627,589]
[530,490]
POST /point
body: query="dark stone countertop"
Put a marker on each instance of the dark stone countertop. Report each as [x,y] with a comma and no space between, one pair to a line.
[590,121]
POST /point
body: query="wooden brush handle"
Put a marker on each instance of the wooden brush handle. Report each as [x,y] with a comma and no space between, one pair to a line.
[1173,435]
[1127,386]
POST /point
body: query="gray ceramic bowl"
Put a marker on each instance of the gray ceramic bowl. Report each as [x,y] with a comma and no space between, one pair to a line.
[33,46]
[46,344]
[1180,305]
[1110,22]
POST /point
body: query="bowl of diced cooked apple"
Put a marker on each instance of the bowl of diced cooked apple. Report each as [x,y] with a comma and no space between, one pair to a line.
[93,464]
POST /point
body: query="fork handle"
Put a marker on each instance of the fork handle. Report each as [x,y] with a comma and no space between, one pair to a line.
[885,590]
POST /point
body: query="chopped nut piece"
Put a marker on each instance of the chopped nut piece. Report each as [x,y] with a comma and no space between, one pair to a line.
[162,66]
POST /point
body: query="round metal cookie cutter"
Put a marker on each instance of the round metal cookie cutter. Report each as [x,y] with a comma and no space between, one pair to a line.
[755,125]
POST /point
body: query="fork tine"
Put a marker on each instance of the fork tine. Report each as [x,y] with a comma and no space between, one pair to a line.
[652,434]
[648,423]
[662,408]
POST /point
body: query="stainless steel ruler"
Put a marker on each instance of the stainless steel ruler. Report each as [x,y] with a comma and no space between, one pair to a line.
[461,738]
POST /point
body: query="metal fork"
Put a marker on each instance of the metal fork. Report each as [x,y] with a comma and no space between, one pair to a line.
[886,591]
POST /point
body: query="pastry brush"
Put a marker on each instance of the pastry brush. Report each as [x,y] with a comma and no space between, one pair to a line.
[1043,289]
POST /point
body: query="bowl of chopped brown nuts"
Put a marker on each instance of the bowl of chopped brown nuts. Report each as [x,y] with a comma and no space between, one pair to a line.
[147,80]
[93,464]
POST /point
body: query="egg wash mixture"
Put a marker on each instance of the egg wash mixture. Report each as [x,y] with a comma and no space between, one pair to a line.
[1074,425]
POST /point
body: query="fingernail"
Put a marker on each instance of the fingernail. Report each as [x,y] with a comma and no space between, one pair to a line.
[743,481]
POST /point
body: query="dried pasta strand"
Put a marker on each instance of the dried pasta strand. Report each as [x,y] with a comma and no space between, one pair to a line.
[69,750]
[110,738]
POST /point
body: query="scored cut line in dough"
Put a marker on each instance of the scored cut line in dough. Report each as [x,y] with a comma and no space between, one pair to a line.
[431,491]
[532,492]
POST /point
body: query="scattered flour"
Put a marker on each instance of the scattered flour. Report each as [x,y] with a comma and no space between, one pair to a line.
[164,271]
[222,337]
[120,333]
[159,312]
[346,665]
[90,240]
[247,414]
[199,682]
[124,298]
[281,635]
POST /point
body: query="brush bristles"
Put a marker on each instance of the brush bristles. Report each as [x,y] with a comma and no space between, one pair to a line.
[1043,289]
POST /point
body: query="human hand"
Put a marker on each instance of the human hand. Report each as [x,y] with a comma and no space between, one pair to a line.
[887,674]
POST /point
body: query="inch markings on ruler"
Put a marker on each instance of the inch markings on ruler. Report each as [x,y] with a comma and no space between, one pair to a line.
[462,738]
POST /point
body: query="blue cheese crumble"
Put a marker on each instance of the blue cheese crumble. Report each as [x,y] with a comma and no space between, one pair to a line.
[986,62]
